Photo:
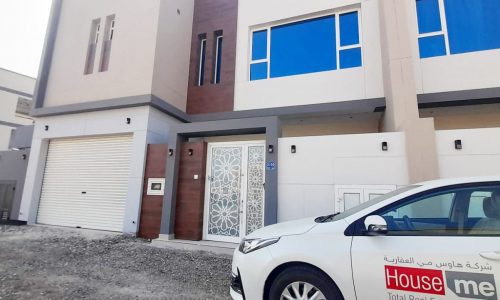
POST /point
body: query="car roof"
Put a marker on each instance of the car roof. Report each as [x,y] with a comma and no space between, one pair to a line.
[453,181]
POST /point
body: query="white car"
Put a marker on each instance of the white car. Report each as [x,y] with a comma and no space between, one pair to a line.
[430,241]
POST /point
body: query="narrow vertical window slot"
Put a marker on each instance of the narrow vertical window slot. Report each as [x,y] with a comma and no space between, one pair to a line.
[95,30]
[106,45]
[218,37]
[202,59]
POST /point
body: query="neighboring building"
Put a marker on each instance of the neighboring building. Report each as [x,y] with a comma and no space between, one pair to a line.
[16,92]
[271,112]
[15,139]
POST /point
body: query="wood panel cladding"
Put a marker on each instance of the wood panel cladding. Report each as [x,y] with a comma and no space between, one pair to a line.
[151,206]
[210,17]
[191,192]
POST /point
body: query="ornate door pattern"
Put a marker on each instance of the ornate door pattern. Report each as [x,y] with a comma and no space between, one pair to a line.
[234,204]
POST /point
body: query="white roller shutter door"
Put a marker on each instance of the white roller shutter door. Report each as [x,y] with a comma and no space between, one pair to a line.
[85,182]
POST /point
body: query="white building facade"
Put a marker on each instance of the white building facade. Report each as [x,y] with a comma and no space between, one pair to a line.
[270,112]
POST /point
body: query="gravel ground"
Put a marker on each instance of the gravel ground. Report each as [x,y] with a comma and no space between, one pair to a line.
[38,262]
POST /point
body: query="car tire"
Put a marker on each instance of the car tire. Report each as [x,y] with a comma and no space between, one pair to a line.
[304,274]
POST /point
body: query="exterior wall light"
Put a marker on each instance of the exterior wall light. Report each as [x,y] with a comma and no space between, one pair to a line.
[293,149]
[270,149]
[24,156]
[46,127]
[385,146]
[190,152]
[458,145]
[129,121]
[170,152]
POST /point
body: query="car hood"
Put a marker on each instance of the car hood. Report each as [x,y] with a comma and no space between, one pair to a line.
[284,229]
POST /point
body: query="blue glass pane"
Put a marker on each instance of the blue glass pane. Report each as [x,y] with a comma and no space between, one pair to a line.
[259,45]
[429,19]
[350,58]
[303,47]
[258,71]
[349,29]
[432,46]
[218,65]
[473,25]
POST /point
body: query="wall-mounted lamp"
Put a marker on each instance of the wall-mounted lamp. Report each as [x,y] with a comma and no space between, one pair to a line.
[458,144]
[129,121]
[293,149]
[270,149]
[385,146]
[190,152]
[46,127]
[170,152]
[24,156]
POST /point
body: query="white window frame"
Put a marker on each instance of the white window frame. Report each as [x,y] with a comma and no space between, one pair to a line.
[201,63]
[216,65]
[335,13]
[111,30]
[444,26]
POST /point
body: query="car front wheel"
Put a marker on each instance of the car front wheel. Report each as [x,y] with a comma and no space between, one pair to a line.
[303,283]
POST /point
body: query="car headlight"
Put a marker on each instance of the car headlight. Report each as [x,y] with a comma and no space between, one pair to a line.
[250,245]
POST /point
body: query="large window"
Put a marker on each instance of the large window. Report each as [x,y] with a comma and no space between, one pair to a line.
[315,45]
[457,26]
[218,57]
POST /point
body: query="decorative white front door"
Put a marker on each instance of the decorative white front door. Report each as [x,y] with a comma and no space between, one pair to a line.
[234,197]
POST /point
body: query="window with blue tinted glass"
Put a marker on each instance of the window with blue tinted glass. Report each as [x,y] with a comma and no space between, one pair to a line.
[350,58]
[473,25]
[432,46]
[259,45]
[349,29]
[258,71]
[429,18]
[303,47]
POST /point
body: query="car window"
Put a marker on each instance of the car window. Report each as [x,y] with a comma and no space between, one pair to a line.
[466,211]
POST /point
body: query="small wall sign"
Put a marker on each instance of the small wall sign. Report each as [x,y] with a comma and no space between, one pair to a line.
[156,186]
[271,166]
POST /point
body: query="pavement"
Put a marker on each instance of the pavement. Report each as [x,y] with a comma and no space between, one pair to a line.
[42,262]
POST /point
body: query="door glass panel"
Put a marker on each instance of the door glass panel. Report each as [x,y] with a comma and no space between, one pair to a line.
[351,200]
[225,191]
[255,194]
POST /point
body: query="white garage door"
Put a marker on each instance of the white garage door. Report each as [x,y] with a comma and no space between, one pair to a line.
[85,182]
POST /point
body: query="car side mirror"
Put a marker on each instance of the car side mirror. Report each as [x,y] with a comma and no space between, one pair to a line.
[375,225]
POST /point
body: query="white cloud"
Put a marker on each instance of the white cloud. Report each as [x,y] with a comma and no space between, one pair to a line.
[22,32]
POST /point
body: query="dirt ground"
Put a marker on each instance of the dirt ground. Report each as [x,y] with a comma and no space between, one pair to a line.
[38,262]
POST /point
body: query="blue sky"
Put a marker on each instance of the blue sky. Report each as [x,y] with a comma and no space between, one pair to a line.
[22,32]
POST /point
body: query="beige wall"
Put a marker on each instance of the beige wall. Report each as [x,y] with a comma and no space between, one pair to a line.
[17,81]
[132,54]
[355,124]
[463,117]
[173,49]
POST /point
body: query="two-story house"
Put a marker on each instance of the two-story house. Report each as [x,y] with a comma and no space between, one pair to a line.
[272,110]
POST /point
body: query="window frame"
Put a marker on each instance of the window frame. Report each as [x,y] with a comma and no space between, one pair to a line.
[443,31]
[219,37]
[335,13]
[357,228]
[200,81]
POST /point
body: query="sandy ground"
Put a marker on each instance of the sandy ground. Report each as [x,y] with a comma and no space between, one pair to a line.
[38,262]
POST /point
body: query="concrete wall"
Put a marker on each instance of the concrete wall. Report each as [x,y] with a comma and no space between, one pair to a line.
[480,155]
[148,126]
[331,86]
[171,66]
[132,55]
[13,169]
[475,70]
[464,117]
[308,178]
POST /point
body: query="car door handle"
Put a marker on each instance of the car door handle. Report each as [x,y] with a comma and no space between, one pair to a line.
[494,255]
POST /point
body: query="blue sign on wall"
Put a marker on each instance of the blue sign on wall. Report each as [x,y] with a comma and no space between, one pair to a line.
[271,166]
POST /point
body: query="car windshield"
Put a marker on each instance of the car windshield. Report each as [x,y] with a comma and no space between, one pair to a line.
[366,204]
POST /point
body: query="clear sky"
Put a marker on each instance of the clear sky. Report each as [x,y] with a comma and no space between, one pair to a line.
[22,32]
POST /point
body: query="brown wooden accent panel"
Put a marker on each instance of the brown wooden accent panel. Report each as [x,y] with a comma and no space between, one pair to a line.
[151,207]
[191,192]
[211,16]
